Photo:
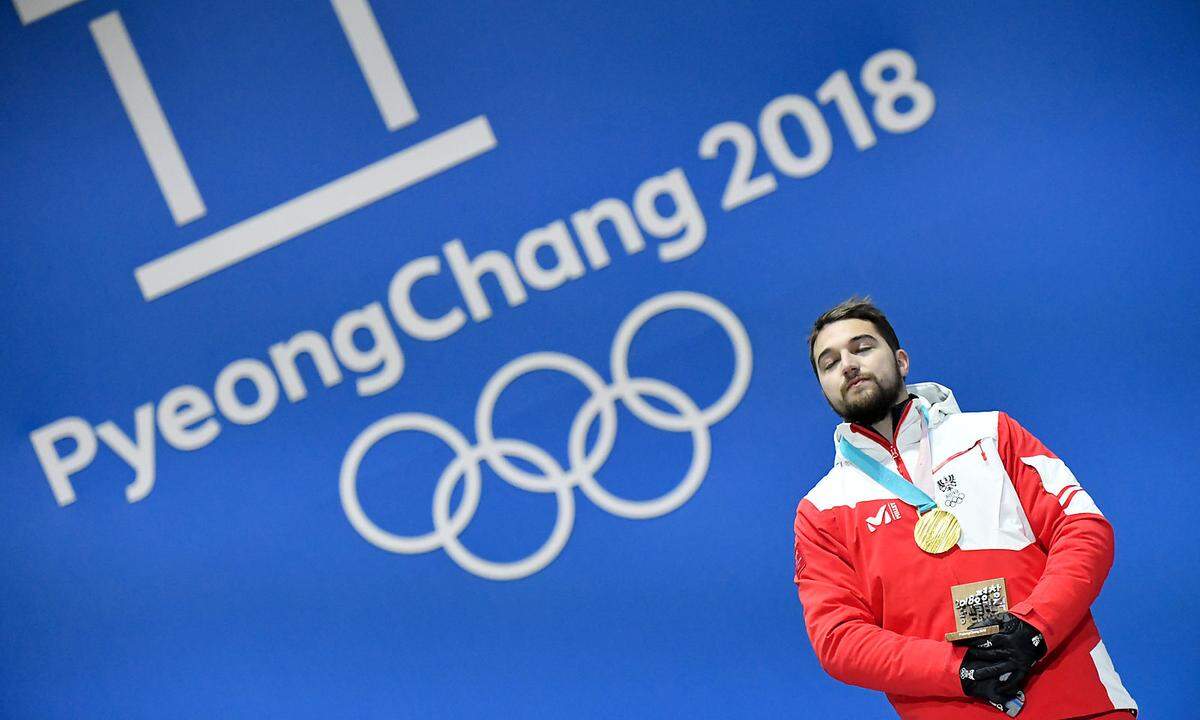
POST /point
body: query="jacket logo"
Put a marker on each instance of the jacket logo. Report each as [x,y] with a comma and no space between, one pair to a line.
[953,496]
[887,513]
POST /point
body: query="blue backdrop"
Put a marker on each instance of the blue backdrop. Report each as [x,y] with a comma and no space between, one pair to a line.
[1015,184]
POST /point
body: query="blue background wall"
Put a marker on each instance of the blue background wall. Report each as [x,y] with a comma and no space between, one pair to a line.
[1034,243]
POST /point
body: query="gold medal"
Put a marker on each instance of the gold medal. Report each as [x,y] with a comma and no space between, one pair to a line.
[937,531]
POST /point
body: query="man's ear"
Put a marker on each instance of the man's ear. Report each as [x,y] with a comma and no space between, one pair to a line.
[902,362]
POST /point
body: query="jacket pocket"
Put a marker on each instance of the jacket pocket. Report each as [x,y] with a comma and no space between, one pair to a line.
[971,483]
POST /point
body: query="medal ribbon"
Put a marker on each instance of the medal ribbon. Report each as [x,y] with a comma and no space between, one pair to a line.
[888,478]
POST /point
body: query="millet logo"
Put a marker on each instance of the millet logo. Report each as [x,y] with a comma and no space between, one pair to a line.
[887,512]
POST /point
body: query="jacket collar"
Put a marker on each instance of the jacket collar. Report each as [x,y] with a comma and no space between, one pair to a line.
[937,402]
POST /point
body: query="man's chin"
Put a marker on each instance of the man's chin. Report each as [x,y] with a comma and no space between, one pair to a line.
[866,413]
[863,420]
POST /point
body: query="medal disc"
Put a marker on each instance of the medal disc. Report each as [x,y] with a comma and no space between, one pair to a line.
[937,531]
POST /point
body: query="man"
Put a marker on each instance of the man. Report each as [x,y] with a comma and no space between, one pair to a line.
[877,605]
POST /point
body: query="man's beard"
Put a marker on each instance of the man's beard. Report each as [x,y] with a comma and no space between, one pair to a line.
[873,402]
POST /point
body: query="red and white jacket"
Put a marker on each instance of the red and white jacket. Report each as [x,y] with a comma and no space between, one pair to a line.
[878,608]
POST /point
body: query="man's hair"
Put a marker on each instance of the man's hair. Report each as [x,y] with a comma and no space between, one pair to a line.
[853,308]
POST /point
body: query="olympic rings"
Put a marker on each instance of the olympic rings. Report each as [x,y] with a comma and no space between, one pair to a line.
[584,465]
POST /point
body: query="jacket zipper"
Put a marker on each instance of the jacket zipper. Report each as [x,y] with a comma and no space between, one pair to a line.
[889,446]
[978,444]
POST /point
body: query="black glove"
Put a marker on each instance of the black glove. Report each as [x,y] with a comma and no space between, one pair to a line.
[1017,641]
[994,681]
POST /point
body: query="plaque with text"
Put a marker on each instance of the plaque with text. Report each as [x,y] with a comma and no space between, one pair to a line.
[975,602]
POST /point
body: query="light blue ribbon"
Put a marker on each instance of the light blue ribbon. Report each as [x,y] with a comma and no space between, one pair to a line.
[889,479]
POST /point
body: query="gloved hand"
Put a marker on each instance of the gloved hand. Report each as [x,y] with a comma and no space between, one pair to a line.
[1017,641]
[994,681]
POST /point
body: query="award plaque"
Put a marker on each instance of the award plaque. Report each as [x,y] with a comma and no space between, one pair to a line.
[975,602]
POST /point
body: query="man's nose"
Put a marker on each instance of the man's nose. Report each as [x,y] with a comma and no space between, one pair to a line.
[849,364]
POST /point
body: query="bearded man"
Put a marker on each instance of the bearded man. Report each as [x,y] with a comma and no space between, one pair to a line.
[875,579]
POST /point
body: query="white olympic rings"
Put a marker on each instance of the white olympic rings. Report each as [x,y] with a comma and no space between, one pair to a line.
[554,478]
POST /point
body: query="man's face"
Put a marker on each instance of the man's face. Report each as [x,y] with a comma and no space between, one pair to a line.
[860,375]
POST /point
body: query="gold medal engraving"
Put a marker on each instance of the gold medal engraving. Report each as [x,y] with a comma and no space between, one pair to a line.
[937,531]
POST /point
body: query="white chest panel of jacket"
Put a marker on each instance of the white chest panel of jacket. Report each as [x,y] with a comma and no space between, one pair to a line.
[967,477]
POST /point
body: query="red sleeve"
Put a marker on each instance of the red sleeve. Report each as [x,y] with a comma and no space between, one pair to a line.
[1077,539]
[847,638]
